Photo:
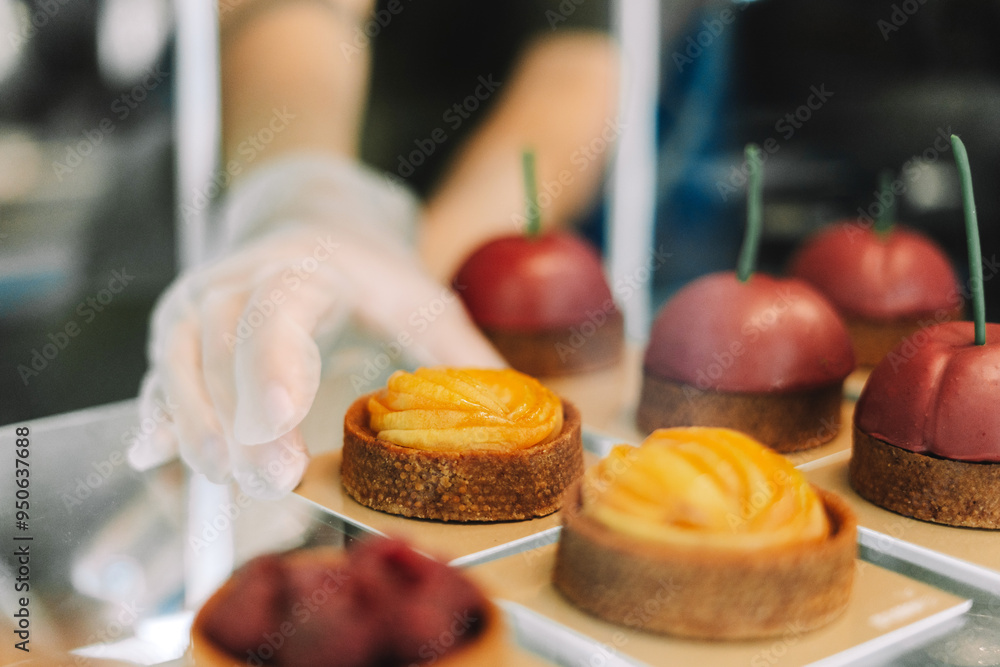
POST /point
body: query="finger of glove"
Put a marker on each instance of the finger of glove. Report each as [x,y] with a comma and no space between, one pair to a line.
[270,470]
[154,440]
[404,298]
[223,330]
[452,339]
[202,445]
[278,365]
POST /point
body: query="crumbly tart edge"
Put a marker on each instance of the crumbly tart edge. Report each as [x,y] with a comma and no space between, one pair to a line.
[563,351]
[706,593]
[929,488]
[459,486]
[784,421]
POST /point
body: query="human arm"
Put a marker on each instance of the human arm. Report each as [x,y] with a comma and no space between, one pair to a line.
[310,238]
[560,100]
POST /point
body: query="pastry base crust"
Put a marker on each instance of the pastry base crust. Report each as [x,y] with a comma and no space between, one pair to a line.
[955,493]
[873,339]
[459,486]
[488,648]
[706,593]
[566,351]
[785,422]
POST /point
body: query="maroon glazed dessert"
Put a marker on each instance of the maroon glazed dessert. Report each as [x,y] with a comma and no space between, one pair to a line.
[927,428]
[767,356]
[382,605]
[927,424]
[544,303]
[741,350]
[885,284]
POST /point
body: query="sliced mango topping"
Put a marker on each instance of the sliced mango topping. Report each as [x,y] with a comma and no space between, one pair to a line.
[704,486]
[453,409]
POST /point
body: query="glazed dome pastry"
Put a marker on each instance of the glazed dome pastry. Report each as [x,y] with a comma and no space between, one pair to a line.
[461,445]
[927,425]
[885,280]
[380,605]
[542,298]
[766,356]
[743,543]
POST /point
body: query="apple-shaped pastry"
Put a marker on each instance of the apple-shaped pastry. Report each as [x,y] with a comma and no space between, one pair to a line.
[542,299]
[927,425]
[762,355]
[885,280]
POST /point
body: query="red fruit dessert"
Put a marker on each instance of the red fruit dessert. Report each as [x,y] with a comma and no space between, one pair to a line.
[767,356]
[927,428]
[381,605]
[886,286]
[544,303]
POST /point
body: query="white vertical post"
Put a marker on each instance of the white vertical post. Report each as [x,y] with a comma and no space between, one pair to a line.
[208,546]
[197,124]
[632,187]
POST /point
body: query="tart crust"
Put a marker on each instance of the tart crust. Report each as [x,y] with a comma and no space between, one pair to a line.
[706,593]
[564,351]
[873,339]
[488,647]
[784,421]
[459,486]
[925,487]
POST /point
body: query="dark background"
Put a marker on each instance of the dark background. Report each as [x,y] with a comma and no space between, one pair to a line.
[60,239]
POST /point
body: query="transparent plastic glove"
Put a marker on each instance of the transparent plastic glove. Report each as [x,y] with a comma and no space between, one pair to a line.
[235,346]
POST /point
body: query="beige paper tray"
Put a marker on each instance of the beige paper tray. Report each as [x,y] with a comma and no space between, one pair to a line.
[461,544]
[969,555]
[855,382]
[885,608]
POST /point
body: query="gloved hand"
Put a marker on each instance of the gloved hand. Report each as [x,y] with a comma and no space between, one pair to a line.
[236,345]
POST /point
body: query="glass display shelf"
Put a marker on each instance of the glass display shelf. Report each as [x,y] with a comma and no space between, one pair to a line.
[114,554]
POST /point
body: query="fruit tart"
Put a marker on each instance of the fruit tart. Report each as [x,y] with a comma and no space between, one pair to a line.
[927,424]
[380,605]
[704,532]
[927,429]
[544,303]
[542,298]
[743,350]
[461,445]
[885,284]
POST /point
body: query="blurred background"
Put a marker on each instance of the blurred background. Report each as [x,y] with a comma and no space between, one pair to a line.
[843,89]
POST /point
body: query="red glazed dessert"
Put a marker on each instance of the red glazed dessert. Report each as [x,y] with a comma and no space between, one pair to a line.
[544,303]
[381,605]
[886,286]
[767,357]
[927,428]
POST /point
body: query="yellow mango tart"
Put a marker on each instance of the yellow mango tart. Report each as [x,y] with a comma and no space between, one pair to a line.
[461,445]
[449,409]
[724,536]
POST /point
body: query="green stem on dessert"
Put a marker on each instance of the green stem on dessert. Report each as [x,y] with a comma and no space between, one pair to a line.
[972,236]
[747,261]
[534,214]
[887,216]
